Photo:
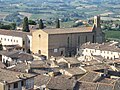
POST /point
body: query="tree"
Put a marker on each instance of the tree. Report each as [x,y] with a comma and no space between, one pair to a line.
[13,26]
[31,22]
[41,25]
[57,23]
[7,27]
[25,25]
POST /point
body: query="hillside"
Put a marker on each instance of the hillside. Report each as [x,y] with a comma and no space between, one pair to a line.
[67,10]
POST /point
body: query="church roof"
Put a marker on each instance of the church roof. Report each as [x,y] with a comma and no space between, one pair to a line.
[68,30]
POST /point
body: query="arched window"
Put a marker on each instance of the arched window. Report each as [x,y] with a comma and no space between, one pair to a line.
[39,36]
[68,41]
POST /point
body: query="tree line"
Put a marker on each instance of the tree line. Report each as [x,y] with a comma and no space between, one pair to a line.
[26,23]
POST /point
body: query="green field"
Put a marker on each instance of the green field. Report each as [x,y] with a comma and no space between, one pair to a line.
[114,35]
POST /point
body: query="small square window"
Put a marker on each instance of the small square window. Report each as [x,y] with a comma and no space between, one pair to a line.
[22,83]
[55,50]
[23,42]
[16,85]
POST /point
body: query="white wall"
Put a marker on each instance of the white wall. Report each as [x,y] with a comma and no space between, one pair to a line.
[5,58]
[104,54]
[11,40]
[29,41]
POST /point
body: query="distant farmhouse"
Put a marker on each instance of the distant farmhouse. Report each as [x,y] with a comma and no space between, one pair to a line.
[64,42]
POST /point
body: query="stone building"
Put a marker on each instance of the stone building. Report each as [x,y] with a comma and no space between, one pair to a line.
[64,41]
[106,50]
[11,37]
[10,80]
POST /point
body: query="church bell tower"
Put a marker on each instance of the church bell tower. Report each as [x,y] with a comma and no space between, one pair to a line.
[100,37]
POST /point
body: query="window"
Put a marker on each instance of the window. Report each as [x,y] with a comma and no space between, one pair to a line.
[5,39]
[28,51]
[11,40]
[29,41]
[39,51]
[22,83]
[8,39]
[8,87]
[61,53]
[23,42]
[68,41]
[39,36]
[16,40]
[16,85]
[55,50]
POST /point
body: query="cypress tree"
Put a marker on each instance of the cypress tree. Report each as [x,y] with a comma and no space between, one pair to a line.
[41,25]
[57,23]
[25,25]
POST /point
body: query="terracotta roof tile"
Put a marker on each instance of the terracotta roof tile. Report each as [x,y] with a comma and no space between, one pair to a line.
[14,33]
[61,83]
[11,76]
[68,30]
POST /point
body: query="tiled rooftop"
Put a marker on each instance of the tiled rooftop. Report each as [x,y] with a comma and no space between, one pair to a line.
[41,80]
[103,47]
[68,30]
[59,83]
[14,33]
[75,71]
[11,76]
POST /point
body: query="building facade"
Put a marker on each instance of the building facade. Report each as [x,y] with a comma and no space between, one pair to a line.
[106,50]
[10,37]
[64,42]
[10,80]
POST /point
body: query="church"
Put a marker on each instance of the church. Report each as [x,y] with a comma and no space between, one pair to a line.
[65,41]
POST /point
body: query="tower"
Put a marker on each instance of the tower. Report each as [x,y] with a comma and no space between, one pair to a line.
[99,35]
[97,25]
